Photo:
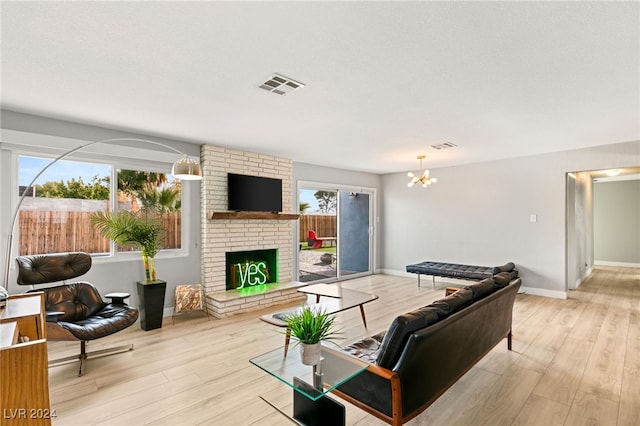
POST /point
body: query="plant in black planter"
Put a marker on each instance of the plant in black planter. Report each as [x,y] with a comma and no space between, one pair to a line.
[310,327]
[128,228]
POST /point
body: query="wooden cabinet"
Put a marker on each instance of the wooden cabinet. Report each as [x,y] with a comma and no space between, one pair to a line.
[24,374]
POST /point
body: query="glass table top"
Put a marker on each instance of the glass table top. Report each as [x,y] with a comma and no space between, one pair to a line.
[334,369]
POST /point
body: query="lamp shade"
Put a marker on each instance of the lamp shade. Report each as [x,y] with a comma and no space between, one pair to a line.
[186,169]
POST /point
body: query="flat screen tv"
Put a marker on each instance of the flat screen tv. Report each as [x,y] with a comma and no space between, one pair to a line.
[254,194]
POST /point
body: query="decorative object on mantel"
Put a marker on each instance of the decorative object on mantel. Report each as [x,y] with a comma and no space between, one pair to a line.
[310,326]
[424,178]
[183,169]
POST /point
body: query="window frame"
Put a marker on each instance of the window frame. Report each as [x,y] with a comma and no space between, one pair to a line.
[154,162]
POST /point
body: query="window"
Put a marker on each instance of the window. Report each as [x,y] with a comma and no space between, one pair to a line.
[55,214]
[153,196]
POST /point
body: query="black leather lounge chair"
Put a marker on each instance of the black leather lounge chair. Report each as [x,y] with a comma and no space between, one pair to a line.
[75,311]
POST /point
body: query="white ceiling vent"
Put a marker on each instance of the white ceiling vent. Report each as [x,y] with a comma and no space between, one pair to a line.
[444,145]
[280,84]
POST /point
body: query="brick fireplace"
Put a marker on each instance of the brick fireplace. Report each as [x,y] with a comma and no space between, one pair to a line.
[232,234]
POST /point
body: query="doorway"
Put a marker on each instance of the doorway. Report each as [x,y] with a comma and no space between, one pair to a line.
[335,232]
[601,232]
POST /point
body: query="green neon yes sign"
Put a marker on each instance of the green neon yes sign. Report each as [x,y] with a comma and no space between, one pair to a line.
[252,273]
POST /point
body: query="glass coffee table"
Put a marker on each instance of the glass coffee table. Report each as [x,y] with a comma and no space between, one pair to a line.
[311,405]
[337,299]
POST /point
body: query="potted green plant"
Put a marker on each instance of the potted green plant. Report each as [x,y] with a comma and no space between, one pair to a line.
[128,228]
[310,326]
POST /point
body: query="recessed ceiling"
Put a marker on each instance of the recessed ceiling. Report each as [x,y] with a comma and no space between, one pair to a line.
[384,81]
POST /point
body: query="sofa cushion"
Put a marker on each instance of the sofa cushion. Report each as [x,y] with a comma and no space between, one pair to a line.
[366,348]
[482,288]
[454,302]
[78,301]
[502,279]
[400,329]
[507,267]
[107,321]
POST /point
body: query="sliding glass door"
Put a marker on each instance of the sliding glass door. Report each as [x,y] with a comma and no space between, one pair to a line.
[354,226]
[335,232]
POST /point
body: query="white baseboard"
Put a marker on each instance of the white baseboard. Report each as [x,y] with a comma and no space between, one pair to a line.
[577,283]
[396,273]
[587,272]
[542,292]
[584,277]
[623,264]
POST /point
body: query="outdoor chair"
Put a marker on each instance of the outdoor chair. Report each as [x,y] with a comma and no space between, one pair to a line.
[313,241]
[75,311]
[316,242]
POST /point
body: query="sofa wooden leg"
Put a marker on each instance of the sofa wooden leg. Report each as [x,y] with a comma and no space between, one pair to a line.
[509,340]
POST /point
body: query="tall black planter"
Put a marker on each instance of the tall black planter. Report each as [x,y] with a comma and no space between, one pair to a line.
[151,296]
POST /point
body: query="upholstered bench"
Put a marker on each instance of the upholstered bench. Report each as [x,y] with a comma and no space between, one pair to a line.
[459,271]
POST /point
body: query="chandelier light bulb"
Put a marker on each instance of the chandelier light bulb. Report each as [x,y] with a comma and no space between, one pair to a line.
[424,178]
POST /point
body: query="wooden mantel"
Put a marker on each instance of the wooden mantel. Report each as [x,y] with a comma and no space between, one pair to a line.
[253,215]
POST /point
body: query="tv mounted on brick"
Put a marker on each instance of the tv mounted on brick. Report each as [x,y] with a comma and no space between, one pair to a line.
[254,193]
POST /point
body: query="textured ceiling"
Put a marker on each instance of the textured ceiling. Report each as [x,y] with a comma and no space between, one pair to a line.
[383,80]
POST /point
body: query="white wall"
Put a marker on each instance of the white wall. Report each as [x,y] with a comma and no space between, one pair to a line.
[480,214]
[617,222]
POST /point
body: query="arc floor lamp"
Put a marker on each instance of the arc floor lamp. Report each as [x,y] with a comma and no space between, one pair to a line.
[183,169]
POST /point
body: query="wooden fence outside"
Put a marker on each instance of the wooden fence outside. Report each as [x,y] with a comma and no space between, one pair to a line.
[324,225]
[62,231]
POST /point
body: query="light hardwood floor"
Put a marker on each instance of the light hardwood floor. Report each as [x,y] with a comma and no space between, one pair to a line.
[575,362]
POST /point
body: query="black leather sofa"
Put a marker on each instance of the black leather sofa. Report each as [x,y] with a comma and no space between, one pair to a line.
[425,351]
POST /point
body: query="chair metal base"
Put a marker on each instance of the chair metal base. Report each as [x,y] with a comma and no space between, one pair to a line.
[84,355]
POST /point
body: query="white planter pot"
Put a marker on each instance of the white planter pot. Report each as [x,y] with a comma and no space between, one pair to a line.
[310,353]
